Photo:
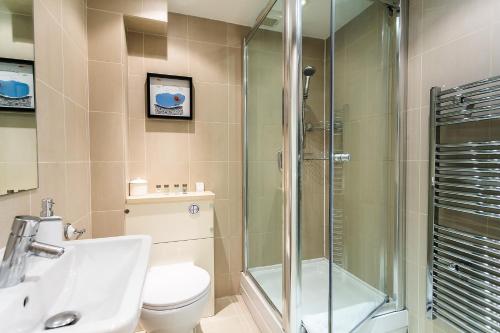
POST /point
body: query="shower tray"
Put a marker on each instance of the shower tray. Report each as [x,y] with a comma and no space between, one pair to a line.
[354,300]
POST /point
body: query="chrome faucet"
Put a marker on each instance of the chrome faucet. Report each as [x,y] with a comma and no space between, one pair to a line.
[20,245]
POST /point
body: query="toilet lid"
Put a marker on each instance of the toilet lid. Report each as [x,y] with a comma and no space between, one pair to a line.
[174,286]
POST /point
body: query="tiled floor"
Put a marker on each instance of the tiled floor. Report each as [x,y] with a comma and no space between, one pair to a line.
[231,316]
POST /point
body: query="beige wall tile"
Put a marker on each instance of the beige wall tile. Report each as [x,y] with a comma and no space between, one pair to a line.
[50,124]
[104,35]
[137,170]
[235,107]
[54,7]
[222,255]
[135,51]
[52,184]
[235,143]
[205,30]
[211,102]
[236,260]
[177,25]
[75,72]
[136,140]
[235,34]
[108,186]
[439,65]
[106,136]
[48,49]
[74,22]
[222,285]
[76,121]
[119,6]
[235,67]
[77,190]
[106,87]
[107,224]
[136,96]
[442,25]
[208,62]
[221,219]
[159,59]
[213,174]
[208,141]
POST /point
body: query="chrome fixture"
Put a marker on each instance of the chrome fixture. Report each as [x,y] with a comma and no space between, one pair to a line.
[463,257]
[62,319]
[342,157]
[71,232]
[47,207]
[308,72]
[20,245]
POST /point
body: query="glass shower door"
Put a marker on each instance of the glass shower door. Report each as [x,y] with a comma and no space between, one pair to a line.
[364,126]
[264,144]
[352,255]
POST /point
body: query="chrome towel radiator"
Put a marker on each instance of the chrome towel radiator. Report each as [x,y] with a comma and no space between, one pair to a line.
[463,261]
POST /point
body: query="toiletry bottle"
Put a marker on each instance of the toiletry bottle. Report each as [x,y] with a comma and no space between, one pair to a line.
[158,188]
[50,230]
[177,189]
[166,188]
[184,188]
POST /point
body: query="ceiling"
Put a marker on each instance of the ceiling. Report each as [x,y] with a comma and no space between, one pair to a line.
[316,13]
[242,12]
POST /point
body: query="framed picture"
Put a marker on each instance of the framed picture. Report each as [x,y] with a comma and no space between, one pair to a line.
[17,85]
[169,96]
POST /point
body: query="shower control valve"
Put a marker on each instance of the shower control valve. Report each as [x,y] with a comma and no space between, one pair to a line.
[343,157]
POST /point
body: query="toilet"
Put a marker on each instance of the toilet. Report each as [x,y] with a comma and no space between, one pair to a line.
[179,289]
[174,297]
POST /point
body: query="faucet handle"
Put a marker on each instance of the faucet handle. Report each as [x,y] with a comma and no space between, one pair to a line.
[47,207]
[25,226]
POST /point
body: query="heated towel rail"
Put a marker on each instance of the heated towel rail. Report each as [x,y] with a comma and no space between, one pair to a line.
[463,275]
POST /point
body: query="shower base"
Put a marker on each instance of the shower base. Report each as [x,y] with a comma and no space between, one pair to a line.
[354,300]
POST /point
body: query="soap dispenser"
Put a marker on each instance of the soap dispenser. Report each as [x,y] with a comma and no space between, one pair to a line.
[50,230]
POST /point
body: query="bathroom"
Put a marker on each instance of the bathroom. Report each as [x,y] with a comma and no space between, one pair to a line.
[332,168]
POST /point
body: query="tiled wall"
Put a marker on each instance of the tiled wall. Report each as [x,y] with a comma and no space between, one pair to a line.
[125,144]
[450,43]
[264,140]
[314,215]
[362,107]
[62,117]
[107,122]
[207,148]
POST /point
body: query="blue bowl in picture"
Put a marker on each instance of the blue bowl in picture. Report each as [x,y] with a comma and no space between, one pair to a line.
[167,100]
[14,89]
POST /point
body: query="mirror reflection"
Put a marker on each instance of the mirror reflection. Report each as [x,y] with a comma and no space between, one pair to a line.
[18,141]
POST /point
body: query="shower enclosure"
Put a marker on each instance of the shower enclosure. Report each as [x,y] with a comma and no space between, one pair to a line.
[324,143]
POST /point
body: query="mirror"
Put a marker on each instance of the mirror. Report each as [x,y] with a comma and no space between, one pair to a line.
[18,141]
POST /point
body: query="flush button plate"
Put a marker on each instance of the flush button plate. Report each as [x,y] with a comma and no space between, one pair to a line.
[194,209]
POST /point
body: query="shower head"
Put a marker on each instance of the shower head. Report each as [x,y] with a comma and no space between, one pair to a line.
[308,72]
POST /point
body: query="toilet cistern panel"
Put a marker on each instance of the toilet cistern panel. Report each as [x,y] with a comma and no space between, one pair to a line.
[170,217]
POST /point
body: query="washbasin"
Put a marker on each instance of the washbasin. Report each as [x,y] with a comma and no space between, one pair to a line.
[101,279]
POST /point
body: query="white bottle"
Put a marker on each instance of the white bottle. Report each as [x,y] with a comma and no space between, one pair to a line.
[50,229]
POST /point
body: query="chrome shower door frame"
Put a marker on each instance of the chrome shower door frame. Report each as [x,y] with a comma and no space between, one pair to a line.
[292,141]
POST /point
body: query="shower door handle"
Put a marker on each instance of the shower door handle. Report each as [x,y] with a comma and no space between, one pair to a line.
[279,160]
[342,157]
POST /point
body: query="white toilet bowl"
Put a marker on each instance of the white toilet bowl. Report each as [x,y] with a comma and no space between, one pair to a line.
[174,298]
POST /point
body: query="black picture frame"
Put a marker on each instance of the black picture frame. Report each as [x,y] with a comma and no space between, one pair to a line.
[188,81]
[23,62]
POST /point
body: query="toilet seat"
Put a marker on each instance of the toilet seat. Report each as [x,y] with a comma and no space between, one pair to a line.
[174,286]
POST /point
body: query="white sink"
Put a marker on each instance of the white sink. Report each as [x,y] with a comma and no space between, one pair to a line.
[102,279]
